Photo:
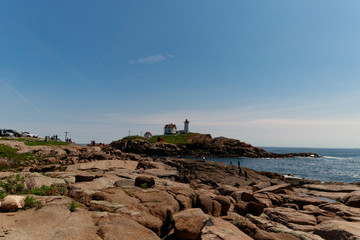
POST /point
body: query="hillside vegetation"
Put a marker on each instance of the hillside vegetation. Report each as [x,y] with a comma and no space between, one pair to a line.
[10,158]
[196,144]
[184,138]
[37,142]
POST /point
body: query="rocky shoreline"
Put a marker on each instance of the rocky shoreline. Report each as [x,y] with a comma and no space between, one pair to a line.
[129,196]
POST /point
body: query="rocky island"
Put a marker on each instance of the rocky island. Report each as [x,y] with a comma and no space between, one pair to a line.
[69,191]
[195,144]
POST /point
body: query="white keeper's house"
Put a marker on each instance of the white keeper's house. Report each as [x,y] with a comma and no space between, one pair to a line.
[170,129]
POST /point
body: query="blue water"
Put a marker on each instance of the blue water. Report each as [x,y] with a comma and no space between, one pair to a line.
[334,165]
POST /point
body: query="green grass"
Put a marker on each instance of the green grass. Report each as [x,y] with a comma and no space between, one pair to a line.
[48,190]
[175,139]
[37,142]
[13,157]
[47,143]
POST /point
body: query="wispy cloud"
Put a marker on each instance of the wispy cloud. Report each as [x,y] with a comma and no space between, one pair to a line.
[100,61]
[20,95]
[152,59]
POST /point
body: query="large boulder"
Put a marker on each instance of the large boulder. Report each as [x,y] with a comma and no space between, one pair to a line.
[96,184]
[248,197]
[343,211]
[87,176]
[240,208]
[328,187]
[216,207]
[292,218]
[189,223]
[144,181]
[352,199]
[263,235]
[225,204]
[264,199]
[12,202]
[238,193]
[226,190]
[272,227]
[275,199]
[302,201]
[116,200]
[121,227]
[276,188]
[205,203]
[183,194]
[338,230]
[217,228]
[313,210]
[37,180]
[261,198]
[160,203]
[244,208]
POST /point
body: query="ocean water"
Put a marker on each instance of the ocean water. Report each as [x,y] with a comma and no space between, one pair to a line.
[334,165]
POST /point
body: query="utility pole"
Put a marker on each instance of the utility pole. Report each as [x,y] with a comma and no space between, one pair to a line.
[66,135]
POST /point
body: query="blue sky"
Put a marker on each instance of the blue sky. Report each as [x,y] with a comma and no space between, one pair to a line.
[270,73]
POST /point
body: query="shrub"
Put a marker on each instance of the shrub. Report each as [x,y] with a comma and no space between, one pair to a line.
[44,190]
[30,202]
[48,190]
[3,194]
[14,184]
[73,206]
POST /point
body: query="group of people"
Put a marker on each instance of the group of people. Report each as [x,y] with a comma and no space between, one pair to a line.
[53,138]
[240,171]
[56,138]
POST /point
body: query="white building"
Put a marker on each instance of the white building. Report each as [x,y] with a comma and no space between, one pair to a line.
[170,129]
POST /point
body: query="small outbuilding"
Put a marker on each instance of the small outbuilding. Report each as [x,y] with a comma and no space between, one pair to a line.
[148,135]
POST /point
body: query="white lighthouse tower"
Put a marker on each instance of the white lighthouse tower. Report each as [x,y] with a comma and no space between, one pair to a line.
[186,126]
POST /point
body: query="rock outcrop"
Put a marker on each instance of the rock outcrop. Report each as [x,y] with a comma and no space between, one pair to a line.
[135,197]
[338,230]
[219,147]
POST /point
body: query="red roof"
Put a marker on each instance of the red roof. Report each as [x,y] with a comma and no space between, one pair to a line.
[170,125]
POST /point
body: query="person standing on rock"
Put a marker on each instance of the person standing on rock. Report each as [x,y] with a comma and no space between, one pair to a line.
[203,159]
[240,172]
